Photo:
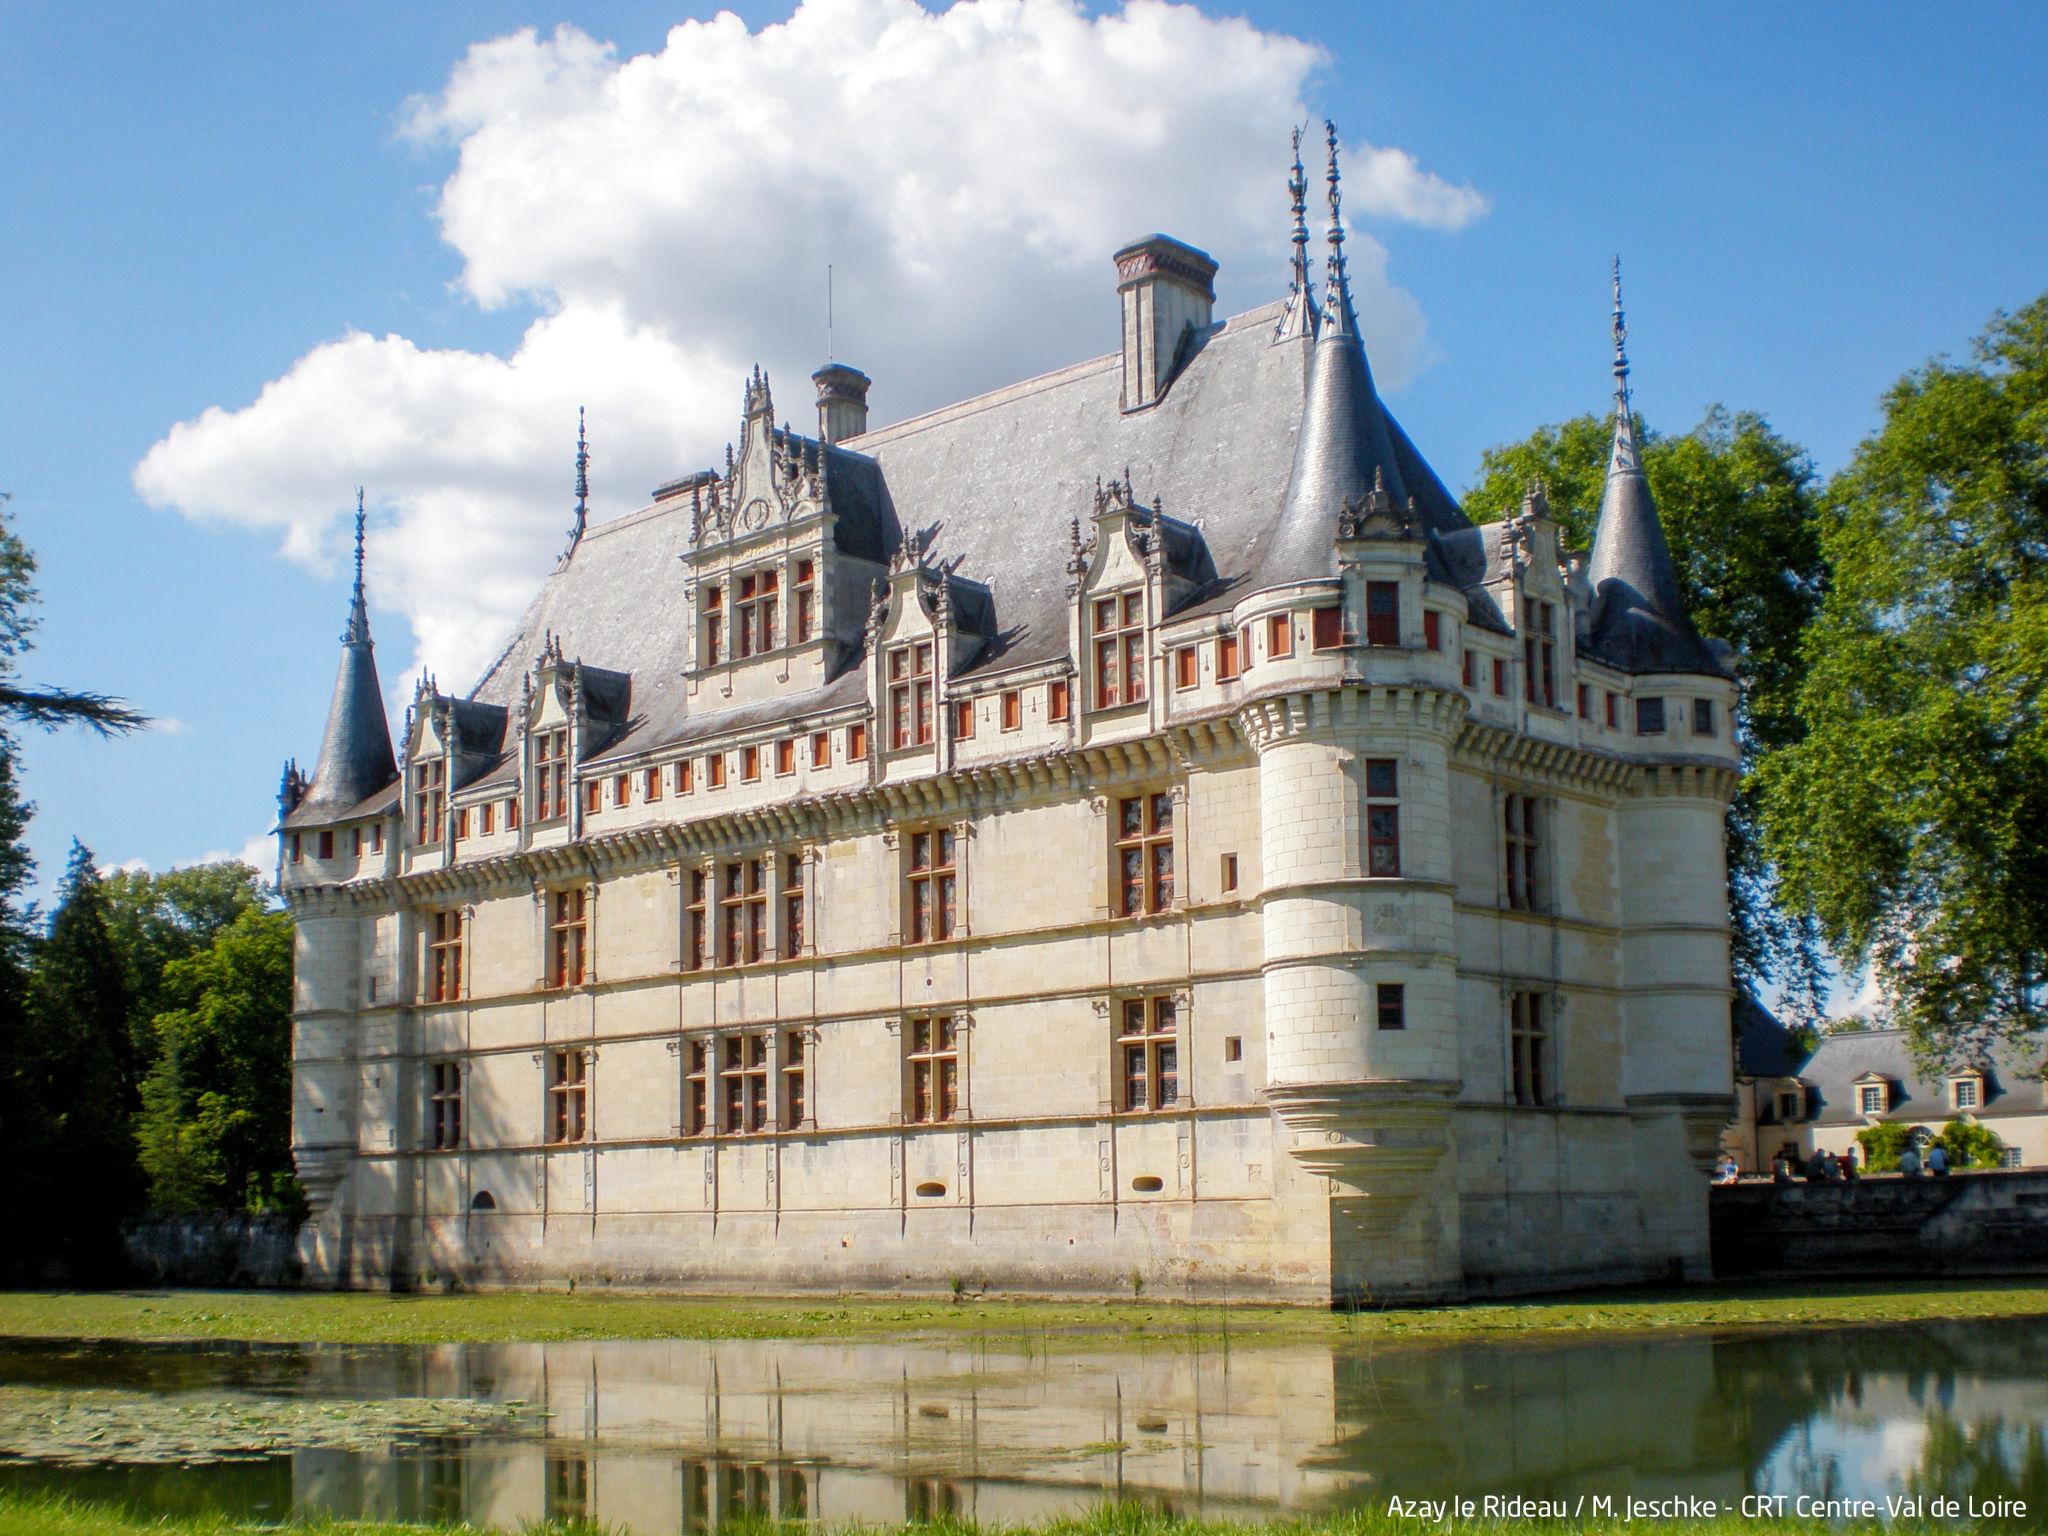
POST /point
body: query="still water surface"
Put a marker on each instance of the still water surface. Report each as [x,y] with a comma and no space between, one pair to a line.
[677,1437]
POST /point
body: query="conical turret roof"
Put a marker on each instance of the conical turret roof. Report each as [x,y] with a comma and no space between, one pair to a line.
[355,753]
[1639,618]
[1345,446]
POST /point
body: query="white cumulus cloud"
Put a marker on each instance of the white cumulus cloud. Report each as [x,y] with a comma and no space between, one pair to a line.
[670,217]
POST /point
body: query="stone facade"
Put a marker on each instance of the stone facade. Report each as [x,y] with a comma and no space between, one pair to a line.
[891,863]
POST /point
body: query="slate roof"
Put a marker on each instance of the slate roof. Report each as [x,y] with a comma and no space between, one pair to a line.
[355,749]
[1764,1047]
[2012,1079]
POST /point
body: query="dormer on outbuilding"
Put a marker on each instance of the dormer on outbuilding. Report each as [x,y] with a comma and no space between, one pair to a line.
[786,546]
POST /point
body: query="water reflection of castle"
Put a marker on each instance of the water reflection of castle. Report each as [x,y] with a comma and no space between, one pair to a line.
[691,1436]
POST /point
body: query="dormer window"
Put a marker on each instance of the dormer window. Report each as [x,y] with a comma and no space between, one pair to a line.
[714,625]
[550,775]
[805,613]
[1966,1091]
[430,791]
[754,614]
[1649,717]
[1873,1098]
[1119,630]
[1539,658]
[910,695]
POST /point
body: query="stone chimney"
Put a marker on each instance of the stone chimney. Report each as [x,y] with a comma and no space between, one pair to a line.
[842,402]
[1168,292]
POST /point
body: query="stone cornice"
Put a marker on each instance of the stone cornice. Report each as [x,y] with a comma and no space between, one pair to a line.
[1492,746]
[1314,709]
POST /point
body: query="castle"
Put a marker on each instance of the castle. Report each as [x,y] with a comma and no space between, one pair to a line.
[1128,830]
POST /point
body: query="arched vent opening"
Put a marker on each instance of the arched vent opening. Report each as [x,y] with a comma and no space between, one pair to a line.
[483,1200]
[931,1189]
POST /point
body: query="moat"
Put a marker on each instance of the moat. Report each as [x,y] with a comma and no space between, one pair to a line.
[684,1436]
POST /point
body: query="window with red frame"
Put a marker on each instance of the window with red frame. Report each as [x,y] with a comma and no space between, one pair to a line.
[910,695]
[1144,854]
[1119,631]
[1383,613]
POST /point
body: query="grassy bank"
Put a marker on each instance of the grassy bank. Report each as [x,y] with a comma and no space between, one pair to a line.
[325,1317]
[36,1517]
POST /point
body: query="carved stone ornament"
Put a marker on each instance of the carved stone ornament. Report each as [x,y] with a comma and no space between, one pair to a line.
[1379,516]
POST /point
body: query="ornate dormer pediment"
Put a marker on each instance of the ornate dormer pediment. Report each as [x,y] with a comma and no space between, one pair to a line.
[775,478]
[1379,516]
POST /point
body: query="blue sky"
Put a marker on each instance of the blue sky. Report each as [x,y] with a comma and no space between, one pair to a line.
[198,197]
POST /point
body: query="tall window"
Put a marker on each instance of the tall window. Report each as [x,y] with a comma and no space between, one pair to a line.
[487,821]
[714,625]
[743,1084]
[1144,854]
[1873,1098]
[1520,840]
[327,839]
[568,1082]
[1119,627]
[650,785]
[1703,717]
[753,614]
[1148,1053]
[550,775]
[569,930]
[1058,700]
[744,915]
[821,749]
[1012,709]
[697,1087]
[1383,613]
[805,618]
[932,885]
[697,922]
[1613,712]
[750,764]
[785,755]
[430,790]
[856,743]
[1326,628]
[1229,658]
[910,695]
[795,1103]
[1585,701]
[1187,670]
[1432,629]
[1539,658]
[963,720]
[793,869]
[444,1104]
[934,1070]
[1382,816]
[1963,1091]
[714,771]
[1528,1048]
[444,957]
[1500,677]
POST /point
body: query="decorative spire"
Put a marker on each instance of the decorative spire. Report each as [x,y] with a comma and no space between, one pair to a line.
[1298,319]
[358,630]
[1624,423]
[355,751]
[582,483]
[1336,282]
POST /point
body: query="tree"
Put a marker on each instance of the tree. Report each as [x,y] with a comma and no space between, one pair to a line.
[1741,515]
[45,707]
[156,919]
[215,1130]
[1911,814]
[77,1068]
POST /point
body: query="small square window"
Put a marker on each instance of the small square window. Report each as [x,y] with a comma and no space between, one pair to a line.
[1229,872]
[1280,635]
[1326,628]
[1390,1001]
[1964,1093]
[1649,717]
[1233,1048]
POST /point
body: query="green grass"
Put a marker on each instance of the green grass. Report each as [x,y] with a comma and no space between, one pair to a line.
[359,1318]
[58,1517]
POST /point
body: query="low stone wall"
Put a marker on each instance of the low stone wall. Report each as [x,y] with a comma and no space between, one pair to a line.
[1967,1224]
[214,1250]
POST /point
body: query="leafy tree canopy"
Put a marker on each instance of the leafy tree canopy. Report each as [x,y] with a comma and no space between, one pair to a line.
[1740,511]
[1911,815]
[156,919]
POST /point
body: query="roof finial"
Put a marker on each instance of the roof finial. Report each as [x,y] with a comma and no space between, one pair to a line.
[1624,423]
[1337,284]
[582,483]
[358,631]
